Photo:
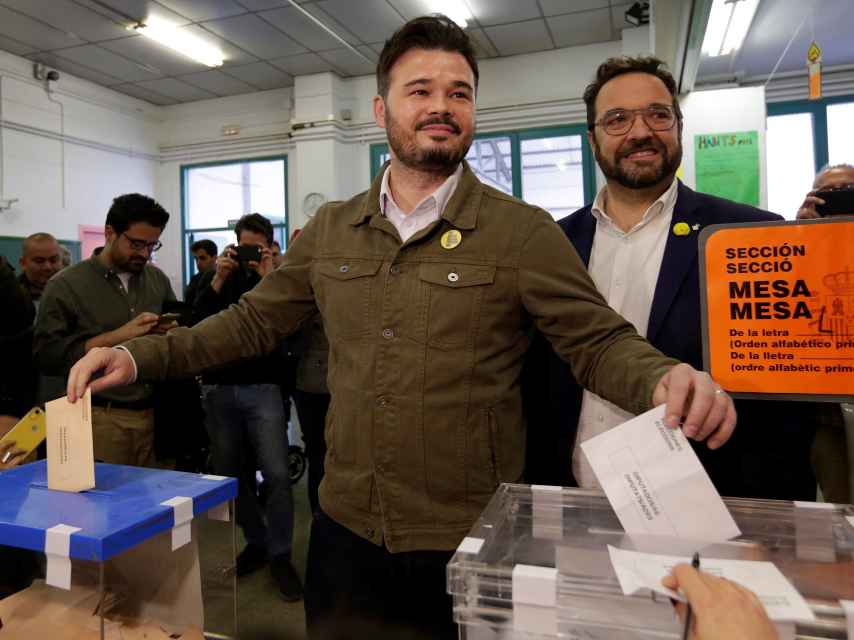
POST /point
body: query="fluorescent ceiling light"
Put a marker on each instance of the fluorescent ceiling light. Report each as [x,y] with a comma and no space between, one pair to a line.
[454,9]
[180,40]
[728,25]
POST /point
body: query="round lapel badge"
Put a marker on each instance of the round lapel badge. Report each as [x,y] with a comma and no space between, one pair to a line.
[451,239]
[681,229]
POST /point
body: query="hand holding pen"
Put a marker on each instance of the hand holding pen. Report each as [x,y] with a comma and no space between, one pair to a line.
[719,609]
[695,563]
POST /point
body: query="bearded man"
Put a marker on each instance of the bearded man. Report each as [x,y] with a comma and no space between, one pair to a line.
[102,302]
[639,241]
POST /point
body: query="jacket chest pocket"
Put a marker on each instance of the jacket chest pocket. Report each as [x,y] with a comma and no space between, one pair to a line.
[343,290]
[453,296]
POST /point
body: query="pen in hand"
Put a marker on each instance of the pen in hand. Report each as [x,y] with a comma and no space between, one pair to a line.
[695,562]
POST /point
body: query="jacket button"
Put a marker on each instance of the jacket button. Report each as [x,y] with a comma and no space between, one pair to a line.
[344,268]
[382,401]
[369,533]
[388,334]
[394,270]
[380,469]
[453,277]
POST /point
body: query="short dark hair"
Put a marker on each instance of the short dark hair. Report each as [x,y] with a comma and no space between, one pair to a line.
[613,67]
[427,32]
[135,207]
[208,246]
[256,223]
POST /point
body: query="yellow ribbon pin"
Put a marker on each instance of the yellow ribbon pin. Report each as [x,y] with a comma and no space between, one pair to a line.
[451,239]
[681,229]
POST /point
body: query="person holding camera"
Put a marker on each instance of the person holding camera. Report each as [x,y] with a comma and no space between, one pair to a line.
[832,195]
[244,413]
[836,183]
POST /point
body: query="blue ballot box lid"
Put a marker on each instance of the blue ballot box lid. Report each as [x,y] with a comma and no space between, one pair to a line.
[122,511]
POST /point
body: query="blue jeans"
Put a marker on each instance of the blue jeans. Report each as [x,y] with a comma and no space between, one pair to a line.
[248,430]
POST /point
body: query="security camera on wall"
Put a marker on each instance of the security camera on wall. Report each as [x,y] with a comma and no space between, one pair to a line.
[41,72]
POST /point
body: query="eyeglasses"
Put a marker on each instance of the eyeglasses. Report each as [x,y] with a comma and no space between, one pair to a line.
[620,121]
[141,245]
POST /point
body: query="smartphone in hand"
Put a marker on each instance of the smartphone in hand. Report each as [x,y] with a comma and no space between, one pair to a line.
[29,433]
[168,318]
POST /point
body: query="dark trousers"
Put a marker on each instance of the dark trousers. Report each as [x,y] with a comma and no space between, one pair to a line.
[357,590]
[311,409]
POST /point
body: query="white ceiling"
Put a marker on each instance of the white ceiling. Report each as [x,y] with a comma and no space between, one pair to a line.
[777,22]
[267,42]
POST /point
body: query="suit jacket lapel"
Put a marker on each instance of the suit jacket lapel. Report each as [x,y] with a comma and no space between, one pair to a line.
[581,232]
[680,253]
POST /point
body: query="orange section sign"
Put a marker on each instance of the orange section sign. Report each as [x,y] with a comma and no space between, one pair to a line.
[779,307]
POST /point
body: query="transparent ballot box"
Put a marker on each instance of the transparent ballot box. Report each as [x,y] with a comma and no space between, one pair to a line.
[146,554]
[560,536]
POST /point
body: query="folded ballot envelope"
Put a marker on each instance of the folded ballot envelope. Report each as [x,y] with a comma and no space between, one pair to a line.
[70,452]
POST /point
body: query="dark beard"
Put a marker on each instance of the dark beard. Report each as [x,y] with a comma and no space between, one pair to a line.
[135,266]
[436,161]
[128,265]
[637,180]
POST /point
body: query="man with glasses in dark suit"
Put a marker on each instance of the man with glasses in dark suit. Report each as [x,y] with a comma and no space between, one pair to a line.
[639,241]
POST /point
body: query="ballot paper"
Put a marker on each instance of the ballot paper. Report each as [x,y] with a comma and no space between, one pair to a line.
[639,572]
[70,452]
[655,482]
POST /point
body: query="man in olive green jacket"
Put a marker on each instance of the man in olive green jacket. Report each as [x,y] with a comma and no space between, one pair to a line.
[428,285]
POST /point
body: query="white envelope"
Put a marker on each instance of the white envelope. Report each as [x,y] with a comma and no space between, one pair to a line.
[655,482]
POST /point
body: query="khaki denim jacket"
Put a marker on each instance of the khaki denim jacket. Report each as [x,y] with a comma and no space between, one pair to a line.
[426,348]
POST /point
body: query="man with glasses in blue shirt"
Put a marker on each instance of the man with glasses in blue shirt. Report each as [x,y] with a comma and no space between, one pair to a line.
[102,302]
[639,240]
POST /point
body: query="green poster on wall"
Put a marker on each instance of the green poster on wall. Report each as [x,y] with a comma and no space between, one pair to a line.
[727,165]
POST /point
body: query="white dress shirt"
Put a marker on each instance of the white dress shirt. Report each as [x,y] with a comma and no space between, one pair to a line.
[624,266]
[425,213]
